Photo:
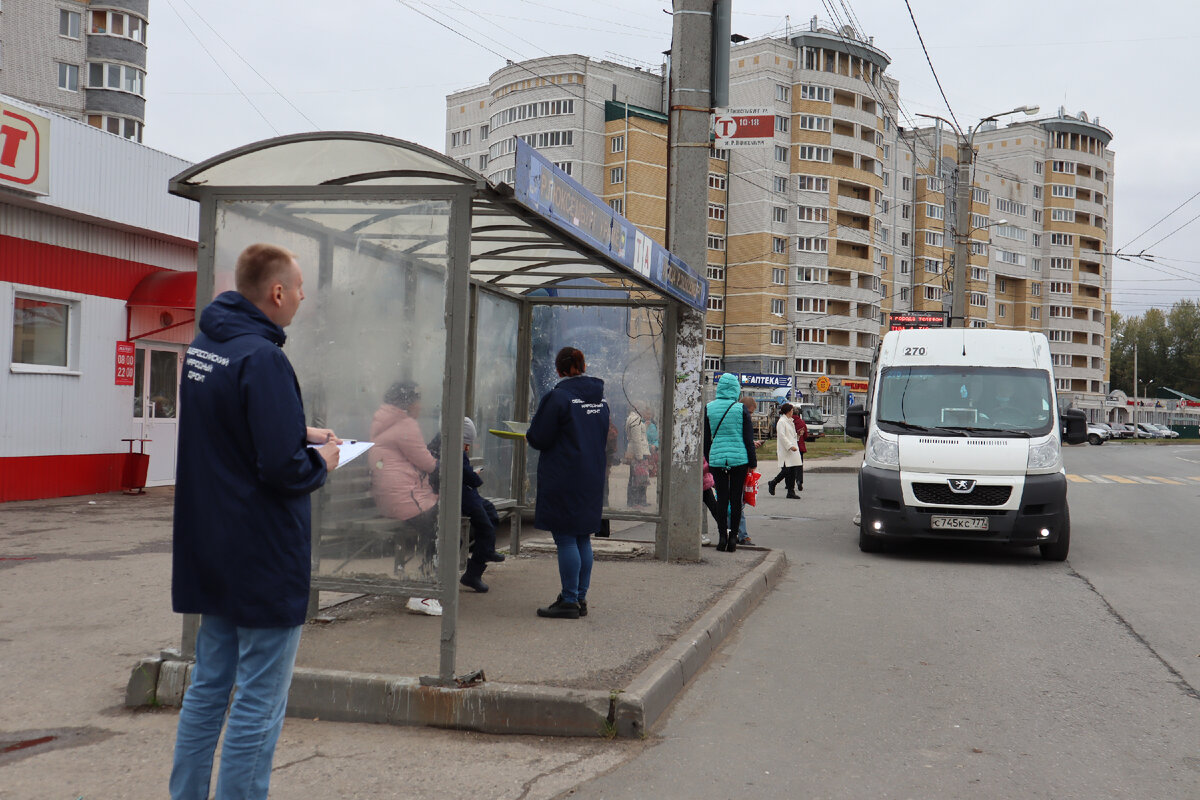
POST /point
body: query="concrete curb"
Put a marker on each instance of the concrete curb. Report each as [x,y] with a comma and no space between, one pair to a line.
[343,696]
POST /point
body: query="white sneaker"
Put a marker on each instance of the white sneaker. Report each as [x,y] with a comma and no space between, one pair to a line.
[705,541]
[425,605]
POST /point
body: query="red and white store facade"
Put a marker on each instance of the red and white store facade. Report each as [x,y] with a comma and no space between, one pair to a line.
[97,291]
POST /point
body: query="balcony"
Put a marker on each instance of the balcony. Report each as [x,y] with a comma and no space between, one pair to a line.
[854,144]
[848,203]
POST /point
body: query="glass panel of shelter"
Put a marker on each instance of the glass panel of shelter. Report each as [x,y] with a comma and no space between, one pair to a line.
[623,346]
[368,345]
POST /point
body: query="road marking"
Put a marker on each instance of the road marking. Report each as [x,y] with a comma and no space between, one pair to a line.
[1139,479]
[1164,480]
[1077,478]
[1119,479]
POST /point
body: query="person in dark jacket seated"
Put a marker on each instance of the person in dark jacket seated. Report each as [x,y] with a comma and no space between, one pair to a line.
[570,428]
[482,514]
[242,540]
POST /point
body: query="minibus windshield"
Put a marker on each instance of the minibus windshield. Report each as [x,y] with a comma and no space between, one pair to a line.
[1004,400]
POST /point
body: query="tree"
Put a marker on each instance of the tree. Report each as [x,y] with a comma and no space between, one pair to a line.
[1168,350]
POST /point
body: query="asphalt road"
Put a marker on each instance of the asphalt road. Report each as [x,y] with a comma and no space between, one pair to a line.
[957,671]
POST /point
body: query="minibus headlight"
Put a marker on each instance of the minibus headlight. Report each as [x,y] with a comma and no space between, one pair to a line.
[882,452]
[1045,455]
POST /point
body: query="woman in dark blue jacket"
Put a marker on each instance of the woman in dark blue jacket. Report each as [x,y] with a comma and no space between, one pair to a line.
[570,428]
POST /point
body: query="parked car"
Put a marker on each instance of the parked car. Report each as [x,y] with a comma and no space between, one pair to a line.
[1121,430]
[1098,433]
[1147,431]
[1167,432]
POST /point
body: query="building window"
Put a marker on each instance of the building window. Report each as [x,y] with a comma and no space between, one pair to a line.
[121,78]
[904,238]
[715,272]
[1062,190]
[906,184]
[780,183]
[934,239]
[777,307]
[979,248]
[45,335]
[1011,232]
[544,108]
[1037,193]
[775,366]
[618,144]
[934,211]
[812,214]
[1062,239]
[1067,167]
[1037,217]
[1001,286]
[810,92]
[1058,335]
[617,204]
[1060,311]
[1060,287]
[714,333]
[716,181]
[68,23]
[460,138]
[781,153]
[904,266]
[546,139]
[783,124]
[933,293]
[121,126]
[978,323]
[720,154]
[716,211]
[483,161]
[813,365]
[934,184]
[1001,310]
[812,183]
[1035,264]
[809,152]
[116,23]
[887,176]
[811,305]
[68,77]
[1035,290]
[778,276]
[810,335]
[980,195]
[1010,207]
[616,175]
[1038,168]
[883,290]
[776,337]
[778,244]
[1035,312]
[716,302]
[903,294]
[810,122]
[1062,215]
[783,93]
[712,363]
[1037,239]
[933,266]
[812,274]
[812,244]
[1062,263]
[979,299]
[483,132]
[779,214]
[716,242]
[979,221]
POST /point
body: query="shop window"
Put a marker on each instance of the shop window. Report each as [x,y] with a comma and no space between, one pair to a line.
[44,334]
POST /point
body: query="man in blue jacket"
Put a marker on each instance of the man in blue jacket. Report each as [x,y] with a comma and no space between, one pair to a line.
[241,556]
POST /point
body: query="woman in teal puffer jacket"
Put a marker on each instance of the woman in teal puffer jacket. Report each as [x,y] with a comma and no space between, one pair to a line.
[729,447]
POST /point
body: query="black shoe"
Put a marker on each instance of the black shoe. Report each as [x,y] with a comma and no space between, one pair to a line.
[731,545]
[494,556]
[771,487]
[722,541]
[793,496]
[582,606]
[472,581]
[560,609]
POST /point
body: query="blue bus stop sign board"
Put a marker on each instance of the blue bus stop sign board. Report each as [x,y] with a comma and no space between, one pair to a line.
[547,190]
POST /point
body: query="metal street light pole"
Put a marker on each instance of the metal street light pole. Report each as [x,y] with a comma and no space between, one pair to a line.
[962,222]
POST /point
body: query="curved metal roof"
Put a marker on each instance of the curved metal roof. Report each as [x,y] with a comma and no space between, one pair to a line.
[516,244]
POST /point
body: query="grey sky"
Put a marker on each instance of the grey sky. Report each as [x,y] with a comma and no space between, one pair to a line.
[384,66]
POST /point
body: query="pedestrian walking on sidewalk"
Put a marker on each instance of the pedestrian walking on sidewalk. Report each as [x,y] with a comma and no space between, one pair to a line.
[801,443]
[729,448]
[242,541]
[787,449]
[570,428]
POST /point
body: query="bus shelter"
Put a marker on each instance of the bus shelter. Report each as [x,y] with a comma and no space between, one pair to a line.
[432,294]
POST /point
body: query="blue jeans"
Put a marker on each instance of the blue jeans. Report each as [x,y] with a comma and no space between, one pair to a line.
[574,565]
[259,661]
[742,535]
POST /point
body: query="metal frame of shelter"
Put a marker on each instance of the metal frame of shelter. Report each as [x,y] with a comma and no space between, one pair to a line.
[352,190]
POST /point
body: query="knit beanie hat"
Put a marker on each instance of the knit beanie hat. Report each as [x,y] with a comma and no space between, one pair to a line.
[468,431]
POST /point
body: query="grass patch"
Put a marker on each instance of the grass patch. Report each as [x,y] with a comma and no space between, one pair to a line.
[825,447]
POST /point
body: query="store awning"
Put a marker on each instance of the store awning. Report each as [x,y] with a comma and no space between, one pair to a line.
[165,289]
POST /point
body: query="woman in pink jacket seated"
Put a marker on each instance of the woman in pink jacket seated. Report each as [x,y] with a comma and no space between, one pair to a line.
[400,468]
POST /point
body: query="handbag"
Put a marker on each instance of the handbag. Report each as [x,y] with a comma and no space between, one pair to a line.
[750,490]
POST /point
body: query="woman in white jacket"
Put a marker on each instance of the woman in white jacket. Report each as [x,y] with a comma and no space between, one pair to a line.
[787,446]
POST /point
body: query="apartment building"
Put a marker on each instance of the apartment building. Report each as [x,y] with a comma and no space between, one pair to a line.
[85,60]
[845,216]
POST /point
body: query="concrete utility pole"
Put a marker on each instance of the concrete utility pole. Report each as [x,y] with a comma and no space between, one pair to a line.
[962,233]
[690,98]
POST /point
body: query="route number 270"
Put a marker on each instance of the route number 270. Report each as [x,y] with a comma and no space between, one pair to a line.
[914,351]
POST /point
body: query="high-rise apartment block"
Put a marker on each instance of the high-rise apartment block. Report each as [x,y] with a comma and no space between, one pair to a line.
[848,214]
[85,60]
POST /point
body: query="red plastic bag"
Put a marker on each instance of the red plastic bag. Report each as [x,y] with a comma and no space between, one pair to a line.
[751,490]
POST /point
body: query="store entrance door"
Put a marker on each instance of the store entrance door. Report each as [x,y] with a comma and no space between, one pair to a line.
[156,407]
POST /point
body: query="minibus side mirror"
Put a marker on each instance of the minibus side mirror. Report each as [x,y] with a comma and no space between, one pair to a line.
[856,423]
[1074,426]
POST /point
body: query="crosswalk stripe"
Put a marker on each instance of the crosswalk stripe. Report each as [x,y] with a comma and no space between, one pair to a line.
[1139,479]
[1164,480]
[1077,478]
[1119,479]
[1194,478]
[1096,479]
